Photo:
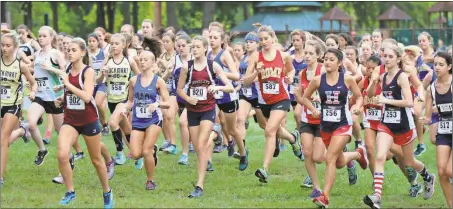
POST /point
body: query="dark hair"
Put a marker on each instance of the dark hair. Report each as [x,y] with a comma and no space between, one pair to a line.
[153,45]
[447,58]
[332,36]
[93,35]
[374,59]
[356,53]
[159,33]
[30,33]
[83,46]
[63,34]
[339,54]
[347,38]
[140,37]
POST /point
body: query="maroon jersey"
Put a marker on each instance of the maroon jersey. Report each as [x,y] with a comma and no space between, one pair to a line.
[197,86]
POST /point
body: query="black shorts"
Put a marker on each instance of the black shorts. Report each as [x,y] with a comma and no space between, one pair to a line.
[14,109]
[253,102]
[181,107]
[91,129]
[229,107]
[112,106]
[293,103]
[313,129]
[49,107]
[158,123]
[194,118]
[443,139]
[282,105]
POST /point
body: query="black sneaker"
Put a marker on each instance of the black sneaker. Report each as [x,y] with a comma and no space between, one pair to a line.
[39,160]
[46,141]
[71,162]
[231,148]
[197,192]
[40,120]
[277,148]
[155,155]
[247,124]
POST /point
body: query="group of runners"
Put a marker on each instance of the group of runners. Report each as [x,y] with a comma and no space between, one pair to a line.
[335,87]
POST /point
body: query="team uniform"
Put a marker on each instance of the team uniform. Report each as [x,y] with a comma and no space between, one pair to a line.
[197,86]
[398,122]
[273,90]
[309,123]
[227,102]
[82,116]
[142,118]
[97,61]
[298,67]
[27,48]
[443,102]
[336,119]
[117,82]
[11,87]
[372,113]
[46,81]
[249,94]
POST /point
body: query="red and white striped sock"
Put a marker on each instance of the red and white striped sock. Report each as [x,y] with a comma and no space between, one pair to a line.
[378,183]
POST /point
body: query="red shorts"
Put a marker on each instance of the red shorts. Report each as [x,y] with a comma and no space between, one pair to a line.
[371,124]
[399,139]
[342,131]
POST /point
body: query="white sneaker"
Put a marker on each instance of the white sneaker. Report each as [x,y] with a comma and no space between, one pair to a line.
[58,180]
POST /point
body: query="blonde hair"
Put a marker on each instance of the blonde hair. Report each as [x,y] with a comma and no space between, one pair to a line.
[414,50]
[148,21]
[122,38]
[52,33]
[268,29]
[202,39]
[12,35]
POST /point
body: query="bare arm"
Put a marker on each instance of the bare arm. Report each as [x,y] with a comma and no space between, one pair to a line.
[130,98]
[229,62]
[181,83]
[371,90]
[429,104]
[163,93]
[87,92]
[251,72]
[352,85]
[222,76]
[289,68]
[31,80]
[134,67]
[312,87]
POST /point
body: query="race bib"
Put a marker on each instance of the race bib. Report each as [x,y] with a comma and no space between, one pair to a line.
[43,84]
[445,107]
[445,126]
[169,84]
[292,88]
[117,88]
[392,116]
[331,115]
[271,88]
[316,105]
[247,92]
[199,92]
[142,111]
[218,95]
[373,114]
[5,92]
[74,102]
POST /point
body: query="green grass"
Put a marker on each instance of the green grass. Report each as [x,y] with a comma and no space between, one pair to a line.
[30,186]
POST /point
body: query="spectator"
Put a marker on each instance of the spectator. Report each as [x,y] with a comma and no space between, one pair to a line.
[440,46]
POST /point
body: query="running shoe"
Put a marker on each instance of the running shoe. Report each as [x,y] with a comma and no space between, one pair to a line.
[26,137]
[277,148]
[108,199]
[429,187]
[39,160]
[155,155]
[164,145]
[218,148]
[282,147]
[231,148]
[297,149]
[315,194]
[105,130]
[247,124]
[415,190]
[373,201]
[262,175]
[363,161]
[139,164]
[243,161]
[236,155]
[421,148]
[357,143]
[352,174]
[307,183]
[46,141]
[197,192]
[210,167]
[68,197]
[183,160]
[58,180]
[120,158]
[110,169]
[171,149]
[321,201]
[79,155]
[150,185]
[191,149]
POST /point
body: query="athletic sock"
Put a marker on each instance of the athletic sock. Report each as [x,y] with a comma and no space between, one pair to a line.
[244,142]
[350,164]
[118,138]
[378,184]
[424,173]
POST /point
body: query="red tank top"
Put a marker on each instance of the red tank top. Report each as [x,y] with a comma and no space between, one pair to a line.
[76,111]
[198,82]
[272,86]
[307,116]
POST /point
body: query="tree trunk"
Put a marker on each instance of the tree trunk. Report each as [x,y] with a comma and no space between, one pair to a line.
[111,8]
[157,15]
[100,14]
[245,7]
[172,20]
[54,6]
[135,14]
[126,12]
[27,7]
[3,11]
[208,13]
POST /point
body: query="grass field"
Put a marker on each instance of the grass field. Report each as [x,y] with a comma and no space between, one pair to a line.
[29,186]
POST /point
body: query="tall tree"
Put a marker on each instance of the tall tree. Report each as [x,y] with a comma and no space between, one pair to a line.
[27,8]
[208,13]
[157,14]
[3,11]
[126,12]
[54,7]
[100,21]
[135,15]
[172,20]
[111,8]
